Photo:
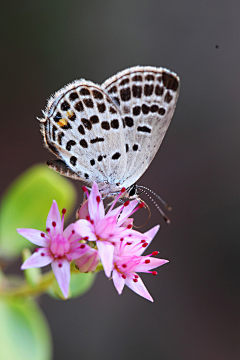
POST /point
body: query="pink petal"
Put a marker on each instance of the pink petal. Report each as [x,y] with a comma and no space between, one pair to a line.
[150,234]
[105,227]
[154,262]
[85,229]
[127,211]
[118,281]
[127,222]
[67,233]
[35,236]
[83,212]
[105,250]
[88,261]
[138,287]
[61,269]
[77,251]
[37,259]
[54,215]
[96,209]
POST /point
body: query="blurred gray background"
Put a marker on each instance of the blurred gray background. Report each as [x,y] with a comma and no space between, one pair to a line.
[47,44]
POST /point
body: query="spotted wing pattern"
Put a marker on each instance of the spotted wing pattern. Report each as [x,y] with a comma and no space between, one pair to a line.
[146,98]
[83,128]
[110,133]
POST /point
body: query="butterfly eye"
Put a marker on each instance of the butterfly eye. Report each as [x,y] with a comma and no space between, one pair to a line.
[132,190]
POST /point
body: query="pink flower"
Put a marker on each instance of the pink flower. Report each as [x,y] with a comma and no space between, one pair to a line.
[127,261]
[88,261]
[59,247]
[107,229]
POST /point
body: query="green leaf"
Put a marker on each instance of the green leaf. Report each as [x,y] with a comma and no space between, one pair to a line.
[24,332]
[79,284]
[27,202]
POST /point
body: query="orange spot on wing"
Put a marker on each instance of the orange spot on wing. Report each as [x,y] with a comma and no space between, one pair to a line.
[62,122]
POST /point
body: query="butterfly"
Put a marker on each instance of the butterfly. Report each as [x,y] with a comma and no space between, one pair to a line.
[110,133]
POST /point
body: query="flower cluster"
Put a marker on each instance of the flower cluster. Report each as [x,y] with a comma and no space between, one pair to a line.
[97,235]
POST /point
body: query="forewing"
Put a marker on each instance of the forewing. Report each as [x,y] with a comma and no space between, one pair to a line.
[146,98]
[83,127]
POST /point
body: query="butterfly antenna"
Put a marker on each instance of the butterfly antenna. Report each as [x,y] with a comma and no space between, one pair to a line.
[165,217]
[149,215]
[169,208]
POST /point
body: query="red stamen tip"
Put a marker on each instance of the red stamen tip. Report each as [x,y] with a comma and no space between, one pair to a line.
[141,205]
[129,243]
[87,217]
[129,226]
[136,276]
[147,261]
[47,229]
[54,223]
[145,245]
[42,234]
[143,241]
[154,273]
[124,265]
[73,231]
[124,276]
[36,249]
[64,211]
[123,190]
[86,238]
[42,254]
[121,239]
[92,222]
[155,253]
[126,203]
[98,199]
[84,188]
[82,246]
[135,280]
[60,265]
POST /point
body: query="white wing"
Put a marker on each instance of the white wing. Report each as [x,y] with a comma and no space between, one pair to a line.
[146,98]
[83,128]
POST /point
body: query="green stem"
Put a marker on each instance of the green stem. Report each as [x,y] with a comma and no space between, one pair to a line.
[27,290]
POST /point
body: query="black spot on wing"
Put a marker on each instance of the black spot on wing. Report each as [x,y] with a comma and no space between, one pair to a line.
[83,143]
[116,156]
[94,119]
[101,107]
[105,125]
[137,91]
[88,103]
[169,81]
[144,129]
[65,106]
[137,78]
[125,94]
[73,160]
[115,124]
[86,123]
[84,91]
[79,106]
[69,144]
[124,81]
[97,139]
[73,96]
[97,95]
[81,130]
[129,121]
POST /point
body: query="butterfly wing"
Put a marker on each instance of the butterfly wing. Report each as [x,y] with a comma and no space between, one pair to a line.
[146,98]
[84,129]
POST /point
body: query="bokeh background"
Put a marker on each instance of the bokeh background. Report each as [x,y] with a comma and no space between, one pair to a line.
[47,44]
